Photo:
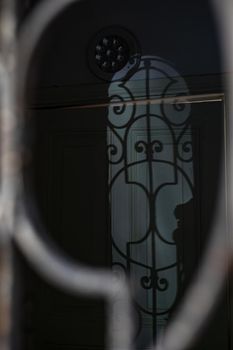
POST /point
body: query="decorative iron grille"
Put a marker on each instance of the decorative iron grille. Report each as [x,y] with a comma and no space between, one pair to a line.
[150,173]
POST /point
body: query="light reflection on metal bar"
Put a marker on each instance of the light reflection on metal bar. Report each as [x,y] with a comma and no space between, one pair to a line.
[203,98]
[58,269]
[206,288]
[8,167]
[73,278]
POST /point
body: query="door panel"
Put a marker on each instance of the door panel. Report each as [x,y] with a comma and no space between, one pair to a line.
[71,186]
[163,193]
[78,208]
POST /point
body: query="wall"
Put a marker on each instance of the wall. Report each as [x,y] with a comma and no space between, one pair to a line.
[182,32]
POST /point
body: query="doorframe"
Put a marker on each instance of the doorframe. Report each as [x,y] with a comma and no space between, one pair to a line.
[202,89]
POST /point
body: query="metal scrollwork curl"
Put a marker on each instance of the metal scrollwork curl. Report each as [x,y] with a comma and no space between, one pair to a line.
[120,108]
[175,111]
[157,146]
[149,148]
[154,281]
[178,106]
[112,150]
[185,147]
[162,284]
[115,149]
[140,147]
[147,282]
[121,112]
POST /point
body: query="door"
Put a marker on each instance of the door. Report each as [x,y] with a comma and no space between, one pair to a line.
[131,186]
[70,182]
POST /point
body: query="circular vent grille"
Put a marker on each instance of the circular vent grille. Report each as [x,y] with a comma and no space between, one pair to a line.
[112,53]
[113,50]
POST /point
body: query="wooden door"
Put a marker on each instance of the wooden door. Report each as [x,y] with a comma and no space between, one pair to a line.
[74,182]
[129,186]
[70,183]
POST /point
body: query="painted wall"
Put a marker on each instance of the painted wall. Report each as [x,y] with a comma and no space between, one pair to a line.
[182,32]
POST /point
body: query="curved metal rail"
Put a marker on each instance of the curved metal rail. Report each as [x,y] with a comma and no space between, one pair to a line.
[16,223]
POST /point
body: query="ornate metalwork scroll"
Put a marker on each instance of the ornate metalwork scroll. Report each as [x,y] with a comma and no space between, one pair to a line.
[150,175]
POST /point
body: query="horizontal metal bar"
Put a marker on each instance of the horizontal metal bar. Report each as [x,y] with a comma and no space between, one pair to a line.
[189,99]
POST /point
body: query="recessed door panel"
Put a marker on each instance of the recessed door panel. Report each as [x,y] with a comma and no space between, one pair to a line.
[163,193]
[132,191]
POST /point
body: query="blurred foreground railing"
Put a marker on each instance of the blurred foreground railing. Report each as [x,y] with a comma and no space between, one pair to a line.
[17,225]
